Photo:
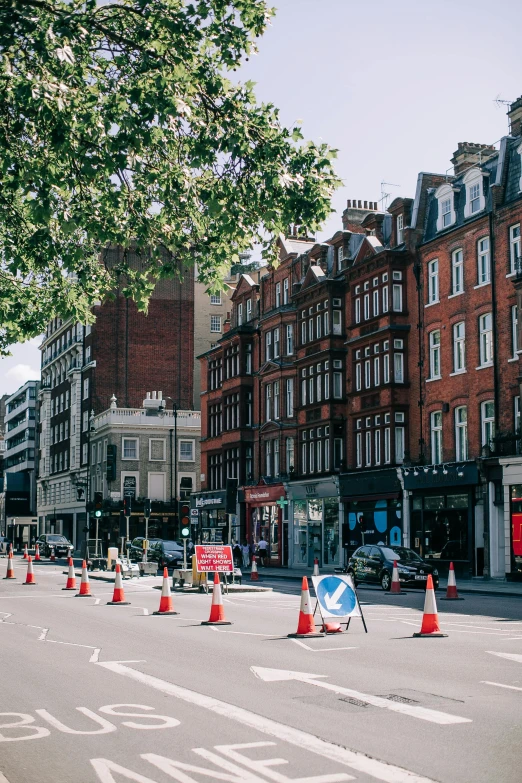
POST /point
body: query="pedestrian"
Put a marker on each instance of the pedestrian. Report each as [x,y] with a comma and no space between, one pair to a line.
[263,551]
[245,551]
[237,554]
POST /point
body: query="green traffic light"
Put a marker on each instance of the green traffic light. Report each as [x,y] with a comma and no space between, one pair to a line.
[185,532]
[97,513]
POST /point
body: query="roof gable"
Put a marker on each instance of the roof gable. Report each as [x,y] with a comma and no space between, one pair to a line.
[245,285]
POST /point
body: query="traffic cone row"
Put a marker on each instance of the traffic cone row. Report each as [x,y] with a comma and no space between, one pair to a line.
[37,553]
[254,575]
[306,622]
[26,553]
[217,610]
[451,591]
[71,577]
[118,597]
[52,558]
[29,579]
[166,606]
[85,587]
[430,619]
[10,566]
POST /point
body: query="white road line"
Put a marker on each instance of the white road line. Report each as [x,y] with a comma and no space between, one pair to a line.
[501,685]
[3,778]
[509,656]
[42,636]
[301,739]
[241,633]
[321,649]
[97,602]
[95,656]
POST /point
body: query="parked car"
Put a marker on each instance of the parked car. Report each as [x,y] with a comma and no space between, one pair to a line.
[4,545]
[166,553]
[136,547]
[374,565]
[48,541]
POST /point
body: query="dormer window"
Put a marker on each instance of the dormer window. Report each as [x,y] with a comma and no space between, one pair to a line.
[445,209]
[400,229]
[339,258]
[446,206]
[519,151]
[475,201]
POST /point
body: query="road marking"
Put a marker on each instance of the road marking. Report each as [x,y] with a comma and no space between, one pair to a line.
[501,685]
[95,656]
[380,770]
[42,636]
[321,649]
[241,633]
[509,656]
[434,716]
[3,778]
[97,602]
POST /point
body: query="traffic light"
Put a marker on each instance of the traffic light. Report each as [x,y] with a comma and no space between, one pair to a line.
[127,505]
[98,503]
[146,507]
[111,464]
[184,519]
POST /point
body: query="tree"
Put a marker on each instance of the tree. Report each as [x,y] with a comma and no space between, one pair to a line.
[119,126]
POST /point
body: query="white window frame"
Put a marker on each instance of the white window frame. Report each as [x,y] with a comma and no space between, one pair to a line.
[457,272]
[459,347]
[400,229]
[366,307]
[433,281]
[387,445]
[215,299]
[268,402]
[268,346]
[399,444]
[337,322]
[461,434]
[137,446]
[358,449]
[435,355]
[487,423]
[286,284]
[193,447]
[367,374]
[376,371]
[486,340]
[289,383]
[368,448]
[436,437]
[277,400]
[514,331]
[289,339]
[385,299]
[240,314]
[472,179]
[268,457]
[357,311]
[483,262]
[278,295]
[398,367]
[249,310]
[443,194]
[157,440]
[397,297]
[358,377]
[386,368]
[277,346]
[215,321]
[376,303]
[514,247]
[377,447]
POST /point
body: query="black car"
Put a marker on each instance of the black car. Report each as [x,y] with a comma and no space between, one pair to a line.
[374,565]
[136,547]
[166,553]
[49,541]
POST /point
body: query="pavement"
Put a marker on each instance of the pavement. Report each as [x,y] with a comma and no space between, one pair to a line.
[107,694]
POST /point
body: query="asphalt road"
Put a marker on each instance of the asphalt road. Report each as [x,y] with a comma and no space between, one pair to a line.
[104,694]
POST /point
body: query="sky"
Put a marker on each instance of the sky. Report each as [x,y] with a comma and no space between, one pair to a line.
[393,86]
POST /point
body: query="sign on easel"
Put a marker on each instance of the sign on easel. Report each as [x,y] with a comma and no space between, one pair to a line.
[214,557]
[337,598]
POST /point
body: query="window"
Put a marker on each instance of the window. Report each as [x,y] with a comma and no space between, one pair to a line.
[398,367]
[85,389]
[367,374]
[400,229]
[387,450]
[326,383]
[268,402]
[276,458]
[289,397]
[459,347]
[268,458]
[311,329]
[318,385]
[337,385]
[358,449]
[248,359]
[186,451]
[436,437]
[368,447]
[326,323]
[386,368]
[433,281]
[514,247]
[278,295]
[303,392]
[399,444]
[240,314]
[318,324]
[129,448]
[248,409]
[285,290]
[376,303]
[487,418]
[268,346]
[337,453]
[249,310]
[366,306]
[435,354]
[516,414]
[357,311]
[215,299]
[85,421]
[483,261]
[445,209]
[457,272]
[249,463]
[397,298]
[486,339]
[358,377]
[157,448]
[277,398]
[340,254]
[376,371]
[215,323]
[385,299]
[276,343]
[289,339]
[311,460]
[514,331]
[461,433]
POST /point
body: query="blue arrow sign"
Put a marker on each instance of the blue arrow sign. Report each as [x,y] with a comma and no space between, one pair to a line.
[336,596]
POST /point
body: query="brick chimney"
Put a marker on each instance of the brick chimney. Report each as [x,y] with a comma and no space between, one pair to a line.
[468,154]
[515,117]
[355,213]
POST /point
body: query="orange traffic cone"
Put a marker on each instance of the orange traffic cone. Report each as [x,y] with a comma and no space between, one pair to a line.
[118,597]
[10,567]
[316,567]
[166,606]
[85,587]
[306,624]
[254,575]
[395,588]
[217,610]
[26,553]
[430,618]
[71,577]
[451,592]
[29,579]
[53,556]
[37,553]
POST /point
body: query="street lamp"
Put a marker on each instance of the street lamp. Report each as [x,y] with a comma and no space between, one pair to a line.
[174,457]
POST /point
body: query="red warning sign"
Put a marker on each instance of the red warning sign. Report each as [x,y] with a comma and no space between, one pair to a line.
[214,557]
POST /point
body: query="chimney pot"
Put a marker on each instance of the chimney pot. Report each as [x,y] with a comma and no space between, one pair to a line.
[160,395]
[349,203]
[148,395]
[366,205]
[153,395]
[359,204]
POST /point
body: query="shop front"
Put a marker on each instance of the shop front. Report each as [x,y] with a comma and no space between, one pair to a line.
[315,524]
[373,509]
[267,519]
[212,520]
[510,538]
[447,520]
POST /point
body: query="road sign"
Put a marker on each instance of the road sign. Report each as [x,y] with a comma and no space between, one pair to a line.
[214,557]
[336,596]
[194,512]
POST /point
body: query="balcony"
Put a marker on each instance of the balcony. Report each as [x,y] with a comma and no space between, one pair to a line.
[138,416]
[504,444]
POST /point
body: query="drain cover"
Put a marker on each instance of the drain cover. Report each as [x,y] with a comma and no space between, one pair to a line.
[400,699]
[355,702]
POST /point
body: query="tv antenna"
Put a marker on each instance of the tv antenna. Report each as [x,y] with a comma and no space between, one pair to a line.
[501,102]
[384,195]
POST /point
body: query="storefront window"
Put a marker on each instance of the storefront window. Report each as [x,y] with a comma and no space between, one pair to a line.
[516,529]
[440,526]
[300,529]
[374,522]
[331,549]
[213,525]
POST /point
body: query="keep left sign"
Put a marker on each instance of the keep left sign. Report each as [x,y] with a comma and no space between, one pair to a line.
[336,596]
